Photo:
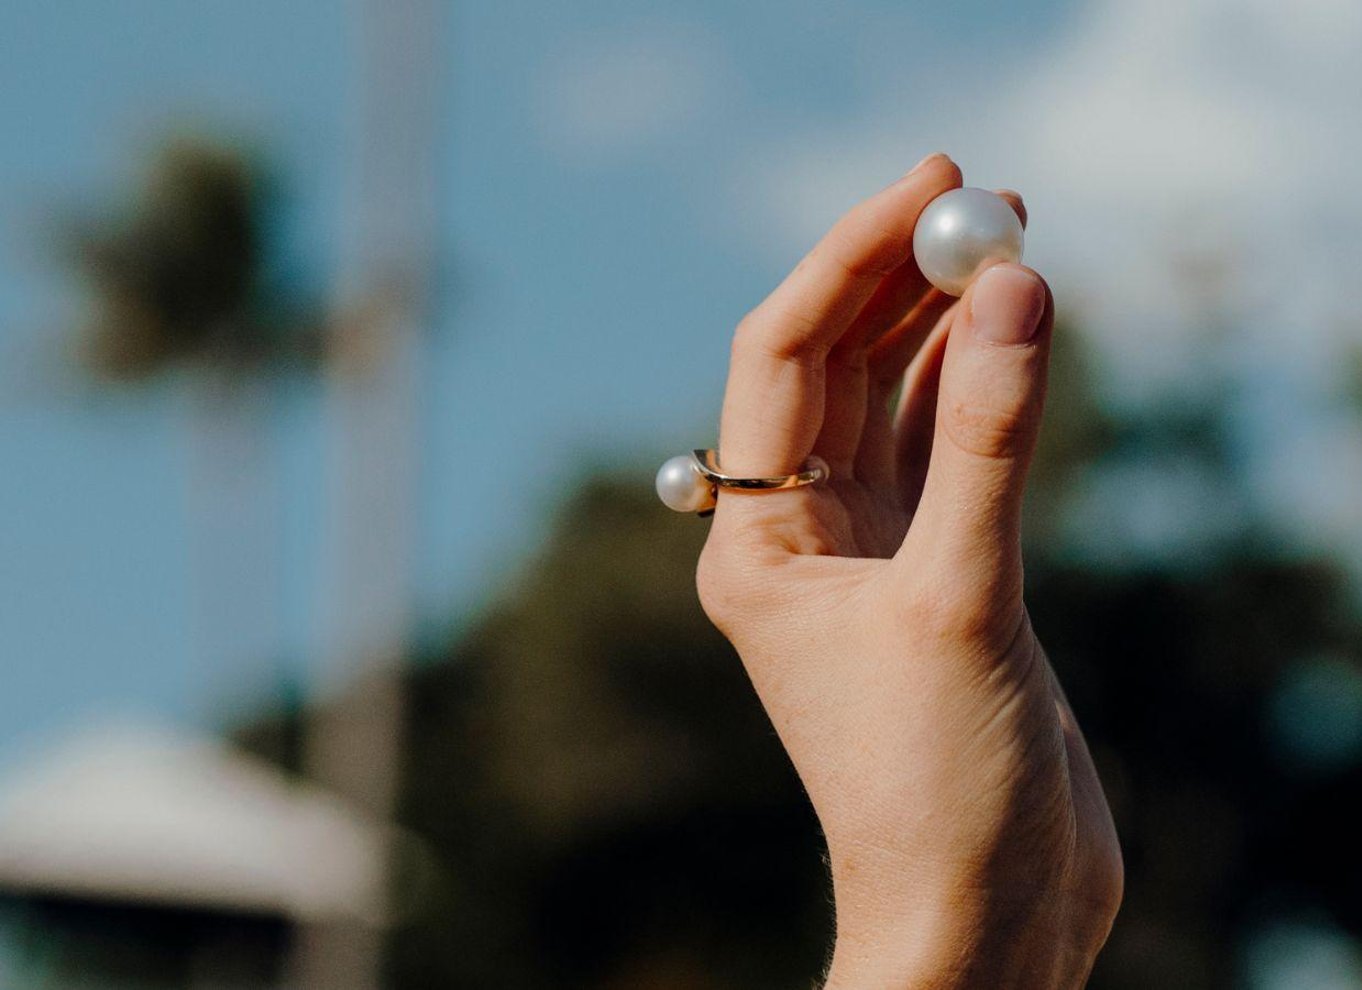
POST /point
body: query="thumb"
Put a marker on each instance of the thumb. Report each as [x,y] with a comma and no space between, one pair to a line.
[987,420]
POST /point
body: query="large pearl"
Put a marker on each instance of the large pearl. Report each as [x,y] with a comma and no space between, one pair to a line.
[682,487]
[960,233]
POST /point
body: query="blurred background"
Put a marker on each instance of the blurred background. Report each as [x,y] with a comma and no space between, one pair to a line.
[343,643]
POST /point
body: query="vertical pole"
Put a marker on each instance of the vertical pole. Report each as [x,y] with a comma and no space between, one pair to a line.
[354,743]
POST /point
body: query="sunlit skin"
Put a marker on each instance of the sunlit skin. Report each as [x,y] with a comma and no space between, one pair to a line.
[880,615]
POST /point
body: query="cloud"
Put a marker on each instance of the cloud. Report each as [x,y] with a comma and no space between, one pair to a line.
[1168,149]
[614,92]
[1189,166]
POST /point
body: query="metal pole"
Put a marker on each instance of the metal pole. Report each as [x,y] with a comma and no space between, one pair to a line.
[374,372]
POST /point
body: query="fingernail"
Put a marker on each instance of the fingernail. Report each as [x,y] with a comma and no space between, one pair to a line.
[1006,304]
[930,158]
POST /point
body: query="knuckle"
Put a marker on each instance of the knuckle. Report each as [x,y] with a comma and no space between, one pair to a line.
[963,613]
[850,357]
[991,432]
[862,247]
[732,582]
[743,334]
[982,619]
[917,613]
[784,335]
[719,593]
[748,327]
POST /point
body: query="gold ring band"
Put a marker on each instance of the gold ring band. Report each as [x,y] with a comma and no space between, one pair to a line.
[707,463]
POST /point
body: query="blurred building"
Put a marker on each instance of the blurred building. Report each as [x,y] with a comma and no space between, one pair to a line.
[141,857]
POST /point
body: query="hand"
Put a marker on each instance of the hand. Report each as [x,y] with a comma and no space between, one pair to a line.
[880,614]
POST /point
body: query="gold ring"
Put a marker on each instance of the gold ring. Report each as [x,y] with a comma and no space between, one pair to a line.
[707,461]
[691,483]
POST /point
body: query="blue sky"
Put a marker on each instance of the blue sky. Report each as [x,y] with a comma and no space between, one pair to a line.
[620,182]
[597,282]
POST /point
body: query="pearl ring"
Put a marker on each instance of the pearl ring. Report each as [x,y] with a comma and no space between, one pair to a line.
[958,234]
[691,482]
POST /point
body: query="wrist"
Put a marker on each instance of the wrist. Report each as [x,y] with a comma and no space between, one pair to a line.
[959,943]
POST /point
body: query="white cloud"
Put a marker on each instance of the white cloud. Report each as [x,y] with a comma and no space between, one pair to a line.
[613,92]
[1189,166]
[1157,142]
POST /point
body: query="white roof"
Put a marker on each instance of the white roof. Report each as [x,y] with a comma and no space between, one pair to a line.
[154,816]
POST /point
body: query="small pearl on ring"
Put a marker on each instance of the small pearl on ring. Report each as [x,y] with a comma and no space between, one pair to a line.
[960,233]
[682,487]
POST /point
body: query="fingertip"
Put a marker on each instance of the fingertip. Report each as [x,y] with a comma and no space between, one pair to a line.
[948,173]
[1006,304]
[1014,200]
[929,160]
[1047,316]
[938,169]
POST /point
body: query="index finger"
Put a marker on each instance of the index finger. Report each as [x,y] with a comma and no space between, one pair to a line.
[773,405]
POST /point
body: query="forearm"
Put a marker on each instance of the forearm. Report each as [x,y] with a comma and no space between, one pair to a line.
[951,937]
[961,954]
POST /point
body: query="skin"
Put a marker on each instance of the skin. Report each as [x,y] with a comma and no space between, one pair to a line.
[880,614]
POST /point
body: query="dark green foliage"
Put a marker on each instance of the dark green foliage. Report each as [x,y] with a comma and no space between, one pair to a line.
[185,276]
[603,801]
[609,803]
[1173,677]
[83,943]
[606,805]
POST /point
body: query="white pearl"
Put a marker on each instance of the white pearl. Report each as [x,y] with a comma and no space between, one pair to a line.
[960,233]
[682,487]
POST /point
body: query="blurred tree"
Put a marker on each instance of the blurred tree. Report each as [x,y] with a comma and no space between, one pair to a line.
[185,278]
[183,281]
[606,802]
[186,284]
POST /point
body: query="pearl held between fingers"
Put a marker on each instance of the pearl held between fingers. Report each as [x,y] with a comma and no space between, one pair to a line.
[682,487]
[960,233]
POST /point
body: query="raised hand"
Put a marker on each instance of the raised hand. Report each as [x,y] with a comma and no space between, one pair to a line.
[880,614]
